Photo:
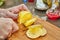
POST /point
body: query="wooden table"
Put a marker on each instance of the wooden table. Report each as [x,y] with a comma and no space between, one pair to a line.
[53,32]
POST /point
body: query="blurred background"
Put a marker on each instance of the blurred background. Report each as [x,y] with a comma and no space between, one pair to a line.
[31,6]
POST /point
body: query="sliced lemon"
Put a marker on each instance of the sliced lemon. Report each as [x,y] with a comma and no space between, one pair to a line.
[36,33]
[35,26]
[43,32]
[33,33]
[30,22]
[24,16]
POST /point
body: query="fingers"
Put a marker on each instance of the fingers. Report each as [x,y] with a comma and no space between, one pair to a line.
[24,7]
[12,15]
[3,13]
[15,9]
[9,25]
[6,14]
[12,24]
[18,8]
[6,27]
[15,27]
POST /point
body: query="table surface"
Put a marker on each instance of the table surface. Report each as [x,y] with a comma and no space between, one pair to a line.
[11,3]
[53,32]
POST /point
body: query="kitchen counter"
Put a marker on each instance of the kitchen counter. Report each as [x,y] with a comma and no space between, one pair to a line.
[11,3]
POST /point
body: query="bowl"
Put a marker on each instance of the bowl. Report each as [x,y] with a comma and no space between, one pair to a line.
[52,16]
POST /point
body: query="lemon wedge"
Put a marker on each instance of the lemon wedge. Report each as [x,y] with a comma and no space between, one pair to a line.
[35,26]
[30,22]
[24,16]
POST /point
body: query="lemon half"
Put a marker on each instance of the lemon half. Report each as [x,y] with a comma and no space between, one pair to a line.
[36,31]
[30,22]
[37,34]
[24,16]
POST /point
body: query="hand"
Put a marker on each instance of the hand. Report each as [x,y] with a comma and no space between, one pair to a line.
[7,27]
[12,12]
[18,8]
[6,14]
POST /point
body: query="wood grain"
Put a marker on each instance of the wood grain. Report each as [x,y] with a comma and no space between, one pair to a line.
[53,32]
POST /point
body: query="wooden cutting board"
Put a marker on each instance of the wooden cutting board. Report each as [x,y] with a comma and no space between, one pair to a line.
[53,32]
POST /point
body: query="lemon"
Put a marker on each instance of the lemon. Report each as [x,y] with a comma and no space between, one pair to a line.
[24,16]
[30,22]
[32,34]
[36,31]
[37,26]
[43,32]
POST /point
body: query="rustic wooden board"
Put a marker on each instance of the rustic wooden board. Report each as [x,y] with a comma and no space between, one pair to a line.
[53,32]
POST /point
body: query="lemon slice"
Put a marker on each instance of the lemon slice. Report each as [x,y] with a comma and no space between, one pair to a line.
[30,22]
[24,16]
[33,33]
[36,33]
[43,32]
[35,26]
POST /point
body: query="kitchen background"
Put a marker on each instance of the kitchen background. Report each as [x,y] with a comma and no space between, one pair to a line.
[31,6]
